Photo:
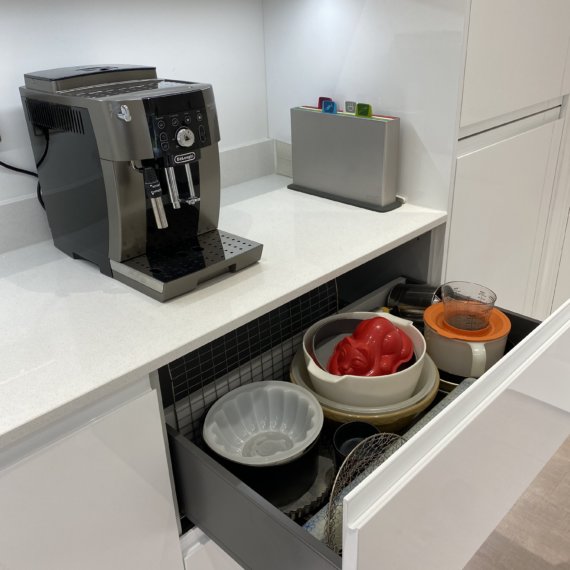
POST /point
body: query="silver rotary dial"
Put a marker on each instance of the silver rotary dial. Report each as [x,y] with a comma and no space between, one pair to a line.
[185,137]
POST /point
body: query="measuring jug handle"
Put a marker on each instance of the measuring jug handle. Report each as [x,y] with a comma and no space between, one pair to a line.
[478,360]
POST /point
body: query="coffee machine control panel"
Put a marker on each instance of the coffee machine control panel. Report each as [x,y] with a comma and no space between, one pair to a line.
[179,128]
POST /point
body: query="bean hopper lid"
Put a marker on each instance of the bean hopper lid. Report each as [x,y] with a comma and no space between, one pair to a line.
[498,327]
[64,78]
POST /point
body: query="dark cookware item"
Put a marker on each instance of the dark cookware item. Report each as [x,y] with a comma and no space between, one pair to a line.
[279,484]
[409,300]
[348,436]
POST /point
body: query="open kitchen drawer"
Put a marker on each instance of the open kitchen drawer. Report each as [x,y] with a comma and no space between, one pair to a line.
[257,534]
[484,484]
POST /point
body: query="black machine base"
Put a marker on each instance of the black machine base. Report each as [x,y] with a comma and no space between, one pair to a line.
[169,274]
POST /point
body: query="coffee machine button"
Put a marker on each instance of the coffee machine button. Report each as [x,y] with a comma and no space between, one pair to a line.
[188,119]
[199,116]
[165,146]
[164,137]
[175,122]
[202,133]
[160,124]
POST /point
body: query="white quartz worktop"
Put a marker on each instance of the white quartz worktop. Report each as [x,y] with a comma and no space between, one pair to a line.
[72,335]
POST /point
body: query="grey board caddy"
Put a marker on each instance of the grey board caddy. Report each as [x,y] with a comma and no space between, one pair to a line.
[346,158]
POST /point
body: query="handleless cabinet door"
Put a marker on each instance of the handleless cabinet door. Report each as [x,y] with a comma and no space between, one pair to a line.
[97,499]
[516,56]
[499,213]
[562,291]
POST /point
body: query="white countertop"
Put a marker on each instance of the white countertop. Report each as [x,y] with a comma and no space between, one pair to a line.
[72,335]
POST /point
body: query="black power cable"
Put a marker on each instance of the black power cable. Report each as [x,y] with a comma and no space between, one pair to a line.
[16,169]
[42,158]
[29,172]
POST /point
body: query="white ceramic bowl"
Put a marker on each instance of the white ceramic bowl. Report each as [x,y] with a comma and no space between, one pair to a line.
[264,423]
[425,386]
[367,391]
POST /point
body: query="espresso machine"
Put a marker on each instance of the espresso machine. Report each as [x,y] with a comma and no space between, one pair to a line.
[130,175]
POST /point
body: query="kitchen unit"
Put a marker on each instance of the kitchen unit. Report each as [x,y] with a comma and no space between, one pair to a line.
[76,398]
[68,304]
[101,409]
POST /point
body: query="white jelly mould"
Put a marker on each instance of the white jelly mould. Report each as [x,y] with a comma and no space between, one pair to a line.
[264,423]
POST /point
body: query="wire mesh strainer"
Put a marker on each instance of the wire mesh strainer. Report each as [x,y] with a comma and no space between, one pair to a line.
[360,462]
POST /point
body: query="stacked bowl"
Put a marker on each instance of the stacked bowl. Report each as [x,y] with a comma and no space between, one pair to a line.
[389,401]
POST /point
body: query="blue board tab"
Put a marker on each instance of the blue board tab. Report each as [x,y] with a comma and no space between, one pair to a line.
[329,107]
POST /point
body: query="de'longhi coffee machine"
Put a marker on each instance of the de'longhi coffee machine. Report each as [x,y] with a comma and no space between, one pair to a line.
[130,175]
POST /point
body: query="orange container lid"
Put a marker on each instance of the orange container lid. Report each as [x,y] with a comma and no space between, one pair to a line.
[499,325]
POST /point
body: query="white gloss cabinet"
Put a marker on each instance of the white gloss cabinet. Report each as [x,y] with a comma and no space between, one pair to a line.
[516,56]
[508,198]
[98,498]
[562,291]
[499,213]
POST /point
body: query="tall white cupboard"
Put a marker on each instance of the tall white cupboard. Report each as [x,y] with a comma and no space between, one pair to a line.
[509,197]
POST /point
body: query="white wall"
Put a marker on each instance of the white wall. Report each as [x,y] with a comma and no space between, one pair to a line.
[405,57]
[214,41]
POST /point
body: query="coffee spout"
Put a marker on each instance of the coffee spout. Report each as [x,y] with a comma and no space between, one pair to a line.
[172,187]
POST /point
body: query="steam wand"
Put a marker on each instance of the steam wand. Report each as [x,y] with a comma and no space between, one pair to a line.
[154,192]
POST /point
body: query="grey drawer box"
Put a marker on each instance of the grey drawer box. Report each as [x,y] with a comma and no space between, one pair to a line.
[346,158]
[254,532]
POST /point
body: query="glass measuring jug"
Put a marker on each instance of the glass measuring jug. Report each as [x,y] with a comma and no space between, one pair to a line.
[467,306]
